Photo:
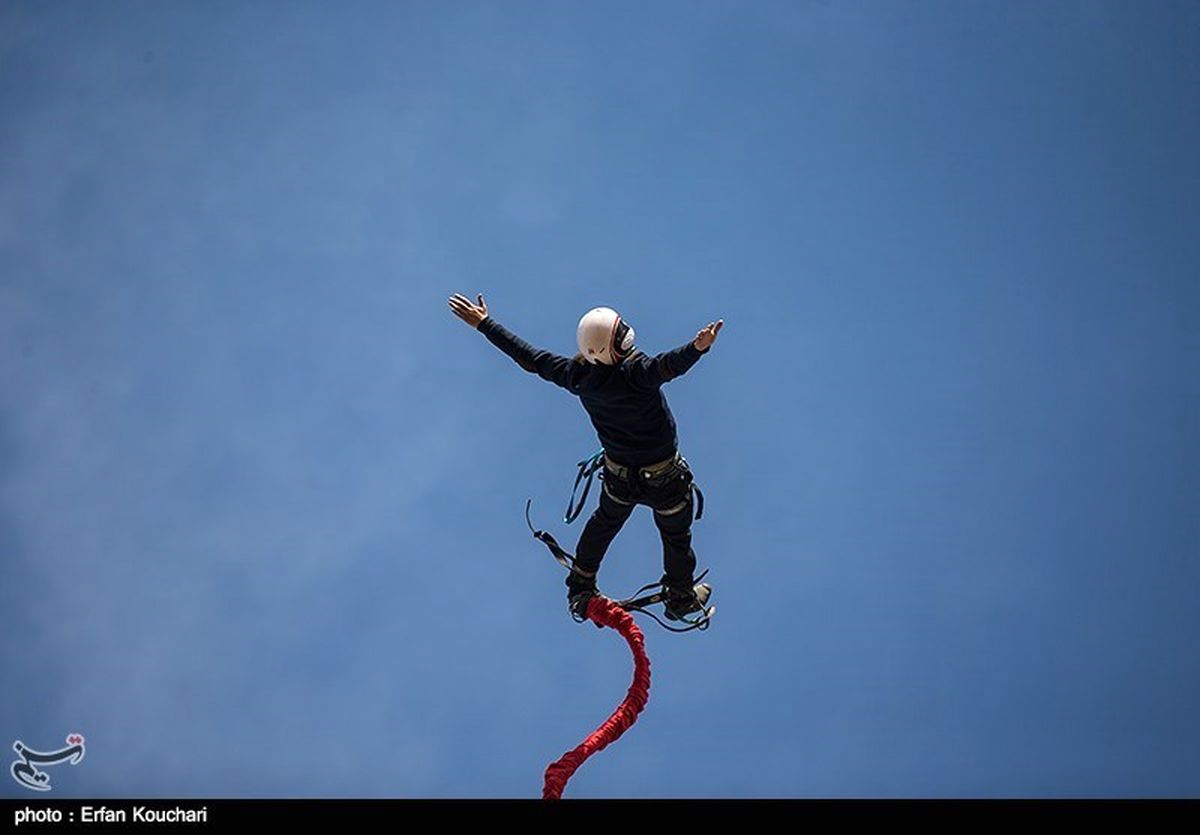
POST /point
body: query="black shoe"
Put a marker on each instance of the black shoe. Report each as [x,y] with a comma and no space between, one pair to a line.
[680,602]
[577,603]
[580,590]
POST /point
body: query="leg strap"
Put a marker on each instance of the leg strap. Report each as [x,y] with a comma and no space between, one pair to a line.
[676,508]
[609,493]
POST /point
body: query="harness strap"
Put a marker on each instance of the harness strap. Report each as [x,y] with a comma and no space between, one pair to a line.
[565,559]
[676,508]
[587,470]
[609,493]
[634,603]
[700,624]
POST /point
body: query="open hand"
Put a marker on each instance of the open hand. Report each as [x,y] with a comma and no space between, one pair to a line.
[470,313]
[708,335]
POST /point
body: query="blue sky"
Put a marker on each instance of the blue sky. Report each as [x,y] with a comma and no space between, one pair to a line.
[261,493]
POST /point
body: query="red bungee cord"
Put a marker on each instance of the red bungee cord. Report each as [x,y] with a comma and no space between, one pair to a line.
[605,612]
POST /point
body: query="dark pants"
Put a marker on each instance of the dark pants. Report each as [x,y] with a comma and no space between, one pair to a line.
[671,498]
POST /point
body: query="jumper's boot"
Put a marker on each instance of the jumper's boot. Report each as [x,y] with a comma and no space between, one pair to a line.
[680,602]
[581,588]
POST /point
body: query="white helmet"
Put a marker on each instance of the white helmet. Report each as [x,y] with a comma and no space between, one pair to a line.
[604,337]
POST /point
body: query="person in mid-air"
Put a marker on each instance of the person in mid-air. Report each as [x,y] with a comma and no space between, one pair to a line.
[621,389]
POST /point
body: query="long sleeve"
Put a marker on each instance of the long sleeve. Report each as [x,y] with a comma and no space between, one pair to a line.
[551,367]
[650,372]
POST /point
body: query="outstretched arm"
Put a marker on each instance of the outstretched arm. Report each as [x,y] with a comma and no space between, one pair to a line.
[654,371]
[546,365]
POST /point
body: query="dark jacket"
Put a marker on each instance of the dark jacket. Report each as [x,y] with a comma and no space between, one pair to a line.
[625,402]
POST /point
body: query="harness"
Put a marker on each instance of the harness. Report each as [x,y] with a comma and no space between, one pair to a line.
[652,475]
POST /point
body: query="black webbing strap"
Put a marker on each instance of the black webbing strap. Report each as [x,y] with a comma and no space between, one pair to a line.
[701,623]
[634,603]
[564,558]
